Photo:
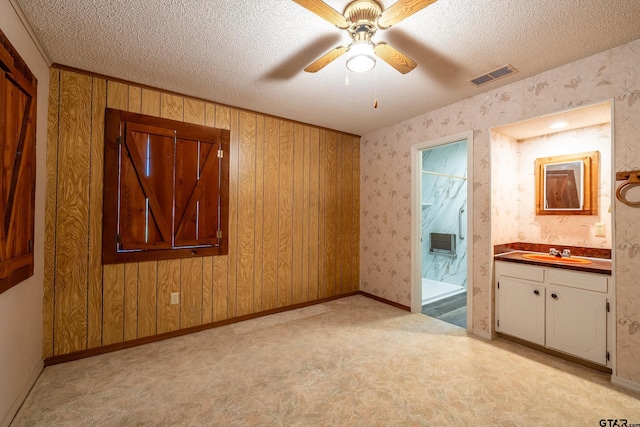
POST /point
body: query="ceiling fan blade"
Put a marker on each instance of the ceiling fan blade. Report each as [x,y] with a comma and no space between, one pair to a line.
[325,59]
[394,57]
[325,11]
[400,10]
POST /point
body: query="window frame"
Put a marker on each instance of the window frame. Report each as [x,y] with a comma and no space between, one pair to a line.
[117,151]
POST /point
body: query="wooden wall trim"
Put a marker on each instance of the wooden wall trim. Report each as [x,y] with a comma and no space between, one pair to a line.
[55,360]
[170,92]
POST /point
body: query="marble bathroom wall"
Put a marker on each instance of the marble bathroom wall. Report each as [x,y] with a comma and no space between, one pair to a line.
[385,261]
[443,196]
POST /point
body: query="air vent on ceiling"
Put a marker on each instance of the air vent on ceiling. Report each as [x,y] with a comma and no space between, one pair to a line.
[496,74]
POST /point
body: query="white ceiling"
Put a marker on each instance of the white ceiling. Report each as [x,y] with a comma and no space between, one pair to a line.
[251,53]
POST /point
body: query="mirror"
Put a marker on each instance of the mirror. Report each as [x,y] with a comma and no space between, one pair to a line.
[568,184]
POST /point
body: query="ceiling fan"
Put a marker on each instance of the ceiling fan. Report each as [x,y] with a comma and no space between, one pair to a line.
[361,19]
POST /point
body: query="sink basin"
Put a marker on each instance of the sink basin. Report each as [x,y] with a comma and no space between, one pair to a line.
[551,258]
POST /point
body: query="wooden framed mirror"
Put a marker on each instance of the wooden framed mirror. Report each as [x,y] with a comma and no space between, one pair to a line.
[567,184]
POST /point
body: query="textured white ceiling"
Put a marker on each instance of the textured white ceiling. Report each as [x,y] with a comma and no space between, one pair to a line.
[251,53]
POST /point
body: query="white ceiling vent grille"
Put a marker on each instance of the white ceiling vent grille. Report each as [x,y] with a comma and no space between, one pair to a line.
[496,74]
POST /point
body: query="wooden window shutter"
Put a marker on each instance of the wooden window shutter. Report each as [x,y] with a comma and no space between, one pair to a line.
[166,189]
[18,88]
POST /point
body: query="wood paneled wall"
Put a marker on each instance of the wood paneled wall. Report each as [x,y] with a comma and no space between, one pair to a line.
[293,226]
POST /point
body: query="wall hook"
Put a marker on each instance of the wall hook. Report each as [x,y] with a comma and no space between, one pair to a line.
[632,179]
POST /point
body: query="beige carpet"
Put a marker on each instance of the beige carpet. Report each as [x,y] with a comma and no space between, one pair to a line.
[349,362]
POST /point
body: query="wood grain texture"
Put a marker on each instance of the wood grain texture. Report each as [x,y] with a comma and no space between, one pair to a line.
[294,223]
[331,215]
[322,212]
[113,300]
[94,303]
[171,107]
[246,212]
[150,102]
[285,211]
[297,293]
[50,214]
[306,211]
[168,282]
[314,212]
[355,245]
[207,290]
[147,298]
[232,266]
[191,292]
[259,213]
[220,288]
[130,301]
[72,220]
[135,99]
[117,95]
[270,215]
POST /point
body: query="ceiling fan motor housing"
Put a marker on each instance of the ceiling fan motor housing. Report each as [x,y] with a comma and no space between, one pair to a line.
[363,17]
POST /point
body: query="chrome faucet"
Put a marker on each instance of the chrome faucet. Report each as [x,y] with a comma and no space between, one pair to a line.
[554,252]
[566,253]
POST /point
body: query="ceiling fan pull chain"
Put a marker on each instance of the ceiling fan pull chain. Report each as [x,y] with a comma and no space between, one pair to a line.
[375,88]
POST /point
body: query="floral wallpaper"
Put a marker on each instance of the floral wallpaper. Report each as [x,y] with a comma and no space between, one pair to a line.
[386,179]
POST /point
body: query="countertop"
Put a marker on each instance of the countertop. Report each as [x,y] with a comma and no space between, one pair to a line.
[597,265]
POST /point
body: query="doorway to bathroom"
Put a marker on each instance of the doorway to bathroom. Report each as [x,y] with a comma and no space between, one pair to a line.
[442,231]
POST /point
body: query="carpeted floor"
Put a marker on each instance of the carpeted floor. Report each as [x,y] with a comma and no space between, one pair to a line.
[349,362]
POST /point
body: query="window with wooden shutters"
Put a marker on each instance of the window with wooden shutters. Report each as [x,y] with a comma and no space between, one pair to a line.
[17,180]
[166,189]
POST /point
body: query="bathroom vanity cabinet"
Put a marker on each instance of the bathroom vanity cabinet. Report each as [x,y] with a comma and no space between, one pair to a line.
[560,309]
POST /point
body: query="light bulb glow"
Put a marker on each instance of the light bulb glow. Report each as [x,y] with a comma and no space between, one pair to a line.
[559,125]
[361,57]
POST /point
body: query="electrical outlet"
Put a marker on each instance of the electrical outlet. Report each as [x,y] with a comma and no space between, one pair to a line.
[600,229]
[175,297]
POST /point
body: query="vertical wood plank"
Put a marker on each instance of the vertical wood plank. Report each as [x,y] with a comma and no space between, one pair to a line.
[220,288]
[346,212]
[147,298]
[168,282]
[73,214]
[322,208]
[285,223]
[151,102]
[331,225]
[171,106]
[314,188]
[297,294]
[355,264]
[270,216]
[207,289]
[259,212]
[208,280]
[117,95]
[94,316]
[232,267]
[50,214]
[148,271]
[306,211]
[113,297]
[193,111]
[135,99]
[246,212]
[191,290]
[131,301]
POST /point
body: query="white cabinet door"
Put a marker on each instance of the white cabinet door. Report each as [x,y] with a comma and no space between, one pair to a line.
[577,323]
[521,309]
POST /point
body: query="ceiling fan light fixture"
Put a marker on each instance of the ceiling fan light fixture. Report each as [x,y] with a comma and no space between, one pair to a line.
[361,57]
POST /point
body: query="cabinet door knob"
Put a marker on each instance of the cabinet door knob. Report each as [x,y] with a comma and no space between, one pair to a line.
[537,292]
[554,296]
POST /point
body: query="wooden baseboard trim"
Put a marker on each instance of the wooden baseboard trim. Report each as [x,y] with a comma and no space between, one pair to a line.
[63,358]
[386,301]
